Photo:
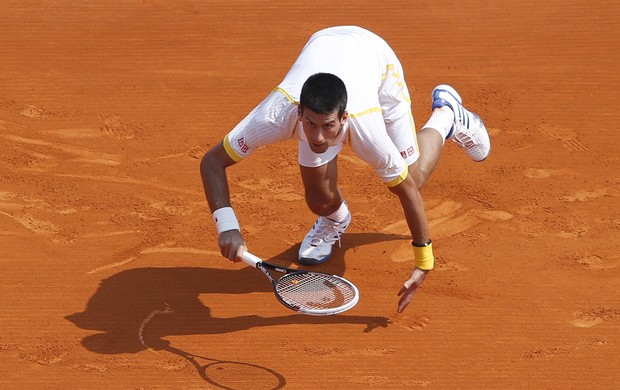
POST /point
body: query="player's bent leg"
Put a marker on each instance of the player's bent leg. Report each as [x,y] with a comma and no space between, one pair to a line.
[430,143]
[325,200]
[321,187]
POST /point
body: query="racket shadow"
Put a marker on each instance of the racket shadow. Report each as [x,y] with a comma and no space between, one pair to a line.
[212,371]
[135,309]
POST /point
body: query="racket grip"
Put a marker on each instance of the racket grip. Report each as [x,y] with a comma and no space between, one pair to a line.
[250,259]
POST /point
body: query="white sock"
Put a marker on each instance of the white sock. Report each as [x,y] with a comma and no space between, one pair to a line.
[341,214]
[441,120]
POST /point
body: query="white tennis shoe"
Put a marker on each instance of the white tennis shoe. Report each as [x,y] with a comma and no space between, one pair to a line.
[316,248]
[468,130]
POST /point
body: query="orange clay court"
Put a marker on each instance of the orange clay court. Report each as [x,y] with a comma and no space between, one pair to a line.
[111,276]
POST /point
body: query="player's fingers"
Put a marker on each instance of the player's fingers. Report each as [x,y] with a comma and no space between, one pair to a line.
[227,252]
[402,290]
[224,251]
[403,303]
[406,294]
[409,284]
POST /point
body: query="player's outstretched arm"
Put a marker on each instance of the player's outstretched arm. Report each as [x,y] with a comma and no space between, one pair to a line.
[215,183]
[415,214]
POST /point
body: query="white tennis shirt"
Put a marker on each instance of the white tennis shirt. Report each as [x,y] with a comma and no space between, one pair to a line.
[380,128]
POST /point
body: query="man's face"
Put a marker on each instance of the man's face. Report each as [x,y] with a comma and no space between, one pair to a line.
[321,129]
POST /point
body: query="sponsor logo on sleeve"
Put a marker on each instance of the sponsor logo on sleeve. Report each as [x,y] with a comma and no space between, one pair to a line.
[410,151]
[242,145]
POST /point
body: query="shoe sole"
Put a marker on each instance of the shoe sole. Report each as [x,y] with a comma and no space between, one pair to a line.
[313,261]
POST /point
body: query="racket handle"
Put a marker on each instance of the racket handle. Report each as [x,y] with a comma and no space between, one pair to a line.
[250,259]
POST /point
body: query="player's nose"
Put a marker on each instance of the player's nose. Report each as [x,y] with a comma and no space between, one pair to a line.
[317,136]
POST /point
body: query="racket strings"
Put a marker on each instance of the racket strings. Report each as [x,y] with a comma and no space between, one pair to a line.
[314,291]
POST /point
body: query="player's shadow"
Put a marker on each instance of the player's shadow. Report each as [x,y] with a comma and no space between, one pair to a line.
[136,308]
[152,303]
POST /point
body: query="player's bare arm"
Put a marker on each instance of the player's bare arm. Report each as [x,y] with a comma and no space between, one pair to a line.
[214,180]
[415,214]
[213,171]
[413,207]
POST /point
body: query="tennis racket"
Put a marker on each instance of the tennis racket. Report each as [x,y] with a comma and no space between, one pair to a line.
[308,292]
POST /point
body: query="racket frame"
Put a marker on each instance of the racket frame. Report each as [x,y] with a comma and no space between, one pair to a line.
[257,262]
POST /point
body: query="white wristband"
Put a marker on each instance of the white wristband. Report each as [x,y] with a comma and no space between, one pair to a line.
[225,220]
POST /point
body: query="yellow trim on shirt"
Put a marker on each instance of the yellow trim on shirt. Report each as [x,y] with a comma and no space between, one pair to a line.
[387,69]
[230,151]
[370,110]
[283,92]
[399,179]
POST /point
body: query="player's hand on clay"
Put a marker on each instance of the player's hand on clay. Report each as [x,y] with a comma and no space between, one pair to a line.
[231,245]
[410,287]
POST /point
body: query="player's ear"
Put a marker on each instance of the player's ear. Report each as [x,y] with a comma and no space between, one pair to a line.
[345,116]
[300,112]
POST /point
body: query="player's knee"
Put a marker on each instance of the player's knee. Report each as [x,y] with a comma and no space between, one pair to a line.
[419,174]
[321,203]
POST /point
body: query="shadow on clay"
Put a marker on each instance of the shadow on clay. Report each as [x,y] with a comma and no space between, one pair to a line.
[135,309]
[336,264]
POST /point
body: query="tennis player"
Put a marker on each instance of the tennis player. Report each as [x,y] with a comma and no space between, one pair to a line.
[346,87]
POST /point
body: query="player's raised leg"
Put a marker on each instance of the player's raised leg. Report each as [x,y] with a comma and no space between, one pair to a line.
[449,120]
[468,130]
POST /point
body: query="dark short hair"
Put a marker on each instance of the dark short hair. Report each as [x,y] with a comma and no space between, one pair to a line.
[324,93]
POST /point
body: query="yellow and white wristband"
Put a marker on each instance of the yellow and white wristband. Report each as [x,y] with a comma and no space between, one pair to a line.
[424,258]
[225,220]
